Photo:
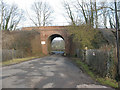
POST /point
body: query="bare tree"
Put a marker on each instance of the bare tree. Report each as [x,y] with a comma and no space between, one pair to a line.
[87,11]
[111,14]
[43,13]
[69,12]
[84,9]
[10,16]
[118,4]
[2,10]
[104,13]
[92,12]
[81,8]
[96,14]
[47,12]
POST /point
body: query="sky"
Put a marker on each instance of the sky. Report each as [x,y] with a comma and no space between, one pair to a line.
[55,4]
[59,19]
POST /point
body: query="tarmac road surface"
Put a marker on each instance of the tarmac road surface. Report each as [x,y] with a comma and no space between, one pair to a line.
[49,72]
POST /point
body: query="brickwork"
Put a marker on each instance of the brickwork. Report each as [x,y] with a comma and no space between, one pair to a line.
[47,32]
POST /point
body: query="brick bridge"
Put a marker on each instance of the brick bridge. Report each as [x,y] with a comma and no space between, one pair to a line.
[48,33]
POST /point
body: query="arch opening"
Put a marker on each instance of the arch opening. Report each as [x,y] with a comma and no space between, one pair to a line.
[56,44]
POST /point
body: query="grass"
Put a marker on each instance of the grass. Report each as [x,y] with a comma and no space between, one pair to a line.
[19,60]
[108,81]
[104,81]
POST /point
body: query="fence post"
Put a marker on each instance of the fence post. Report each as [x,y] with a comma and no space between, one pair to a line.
[108,64]
[12,54]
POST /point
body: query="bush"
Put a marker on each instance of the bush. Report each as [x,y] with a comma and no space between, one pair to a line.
[19,40]
[86,37]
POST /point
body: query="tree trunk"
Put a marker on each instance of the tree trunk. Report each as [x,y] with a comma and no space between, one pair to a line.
[96,16]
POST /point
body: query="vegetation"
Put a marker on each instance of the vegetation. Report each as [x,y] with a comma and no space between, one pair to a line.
[87,37]
[102,80]
[10,16]
[91,12]
[19,40]
[19,60]
[42,13]
[58,45]
[22,41]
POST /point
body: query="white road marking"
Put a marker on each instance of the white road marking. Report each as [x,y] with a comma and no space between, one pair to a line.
[49,85]
[62,75]
[90,86]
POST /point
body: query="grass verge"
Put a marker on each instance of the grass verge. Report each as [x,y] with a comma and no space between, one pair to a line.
[103,81]
[19,60]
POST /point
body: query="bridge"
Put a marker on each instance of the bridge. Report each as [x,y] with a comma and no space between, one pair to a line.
[48,33]
[50,71]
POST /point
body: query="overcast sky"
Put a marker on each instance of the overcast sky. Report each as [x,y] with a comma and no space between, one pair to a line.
[59,18]
[55,4]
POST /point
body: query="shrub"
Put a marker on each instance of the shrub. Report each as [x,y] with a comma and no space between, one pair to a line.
[86,36]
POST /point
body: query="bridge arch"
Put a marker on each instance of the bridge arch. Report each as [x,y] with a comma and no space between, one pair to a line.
[51,38]
[48,33]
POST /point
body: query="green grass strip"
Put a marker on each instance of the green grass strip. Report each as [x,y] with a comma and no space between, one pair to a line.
[104,81]
[19,60]
[108,81]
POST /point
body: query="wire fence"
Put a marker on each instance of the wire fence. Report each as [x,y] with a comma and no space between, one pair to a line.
[101,61]
[97,59]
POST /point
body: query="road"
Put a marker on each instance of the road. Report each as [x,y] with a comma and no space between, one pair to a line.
[49,72]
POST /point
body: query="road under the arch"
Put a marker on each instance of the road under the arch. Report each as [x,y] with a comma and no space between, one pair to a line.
[49,72]
[54,43]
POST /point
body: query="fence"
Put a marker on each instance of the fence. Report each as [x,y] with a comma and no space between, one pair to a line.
[11,54]
[101,61]
[97,59]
